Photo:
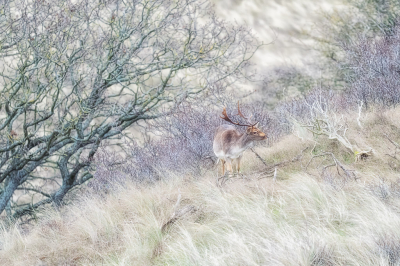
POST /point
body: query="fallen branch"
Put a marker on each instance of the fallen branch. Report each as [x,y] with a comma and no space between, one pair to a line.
[271,171]
[324,121]
[397,147]
[259,157]
[178,213]
[349,173]
[391,141]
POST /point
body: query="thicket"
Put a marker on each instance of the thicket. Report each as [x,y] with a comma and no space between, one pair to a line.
[336,36]
[345,27]
[180,144]
[77,74]
[372,79]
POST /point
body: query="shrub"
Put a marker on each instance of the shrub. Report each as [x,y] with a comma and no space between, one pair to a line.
[181,145]
[374,76]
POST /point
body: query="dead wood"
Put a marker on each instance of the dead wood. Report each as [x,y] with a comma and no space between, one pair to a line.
[271,170]
[339,166]
[178,213]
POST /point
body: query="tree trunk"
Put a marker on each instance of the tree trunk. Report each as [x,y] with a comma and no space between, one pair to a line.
[12,185]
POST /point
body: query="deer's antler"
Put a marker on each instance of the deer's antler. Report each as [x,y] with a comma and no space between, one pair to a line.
[240,113]
[247,118]
[226,118]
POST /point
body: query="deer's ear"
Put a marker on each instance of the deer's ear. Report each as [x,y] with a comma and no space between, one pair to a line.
[256,125]
[249,130]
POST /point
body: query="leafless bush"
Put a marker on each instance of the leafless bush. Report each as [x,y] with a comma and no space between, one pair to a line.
[192,131]
[285,82]
[322,113]
[360,19]
[374,70]
[110,170]
[385,189]
[389,248]
[301,108]
[371,70]
[189,134]
[182,144]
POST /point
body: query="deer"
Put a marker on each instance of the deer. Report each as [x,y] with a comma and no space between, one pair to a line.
[229,144]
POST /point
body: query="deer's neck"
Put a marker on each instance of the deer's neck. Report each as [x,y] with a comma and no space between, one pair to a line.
[245,142]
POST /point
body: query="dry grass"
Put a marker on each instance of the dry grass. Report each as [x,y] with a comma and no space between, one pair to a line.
[300,219]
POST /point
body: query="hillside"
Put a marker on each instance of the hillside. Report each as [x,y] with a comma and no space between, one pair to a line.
[312,213]
[108,112]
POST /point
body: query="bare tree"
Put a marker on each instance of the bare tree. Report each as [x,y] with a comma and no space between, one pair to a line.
[373,69]
[74,74]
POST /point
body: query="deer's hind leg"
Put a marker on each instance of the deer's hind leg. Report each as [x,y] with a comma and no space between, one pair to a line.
[223,166]
[238,159]
[220,180]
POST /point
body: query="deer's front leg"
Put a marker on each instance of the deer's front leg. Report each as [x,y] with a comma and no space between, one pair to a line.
[229,165]
[238,163]
[223,167]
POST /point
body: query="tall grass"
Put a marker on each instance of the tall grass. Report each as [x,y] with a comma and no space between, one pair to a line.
[296,222]
[299,219]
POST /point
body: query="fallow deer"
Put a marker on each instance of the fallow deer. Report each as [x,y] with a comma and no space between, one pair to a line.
[229,144]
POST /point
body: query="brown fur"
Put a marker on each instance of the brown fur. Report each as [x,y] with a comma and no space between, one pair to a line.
[229,144]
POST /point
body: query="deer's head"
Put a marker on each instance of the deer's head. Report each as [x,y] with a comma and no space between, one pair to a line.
[255,133]
[252,131]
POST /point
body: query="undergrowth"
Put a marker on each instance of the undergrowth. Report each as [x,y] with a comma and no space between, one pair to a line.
[309,213]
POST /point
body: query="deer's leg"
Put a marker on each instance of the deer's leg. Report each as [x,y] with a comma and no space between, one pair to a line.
[229,165]
[238,163]
[223,167]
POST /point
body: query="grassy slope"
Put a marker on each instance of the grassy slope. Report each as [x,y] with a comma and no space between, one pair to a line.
[300,219]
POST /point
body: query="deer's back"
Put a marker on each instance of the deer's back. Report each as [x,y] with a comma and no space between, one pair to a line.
[226,140]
